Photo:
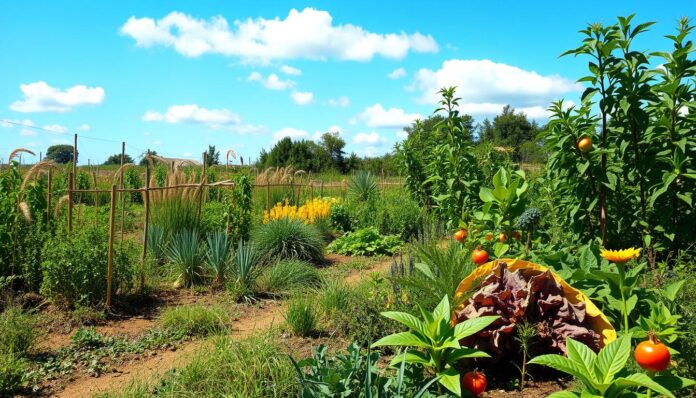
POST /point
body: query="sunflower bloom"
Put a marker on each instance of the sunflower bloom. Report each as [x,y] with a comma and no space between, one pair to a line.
[620,256]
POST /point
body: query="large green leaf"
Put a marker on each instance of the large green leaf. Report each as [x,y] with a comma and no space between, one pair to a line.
[562,364]
[471,326]
[612,358]
[405,339]
[407,319]
[637,380]
[583,356]
[563,394]
[464,352]
[411,357]
[450,379]
[442,311]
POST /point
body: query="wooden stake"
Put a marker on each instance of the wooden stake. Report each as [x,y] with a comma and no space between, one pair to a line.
[146,202]
[110,260]
[71,184]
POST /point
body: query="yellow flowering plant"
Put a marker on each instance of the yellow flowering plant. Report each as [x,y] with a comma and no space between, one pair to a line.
[622,296]
[309,213]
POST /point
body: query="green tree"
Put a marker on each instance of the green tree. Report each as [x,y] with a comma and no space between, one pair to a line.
[509,129]
[116,159]
[212,156]
[60,153]
[334,144]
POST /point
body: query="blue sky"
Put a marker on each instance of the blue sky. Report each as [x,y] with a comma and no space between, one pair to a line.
[177,76]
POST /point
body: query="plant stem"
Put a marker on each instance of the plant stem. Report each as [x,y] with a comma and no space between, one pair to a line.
[624,309]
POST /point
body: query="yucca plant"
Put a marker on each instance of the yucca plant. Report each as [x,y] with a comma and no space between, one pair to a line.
[184,253]
[218,255]
[362,186]
[245,266]
[157,243]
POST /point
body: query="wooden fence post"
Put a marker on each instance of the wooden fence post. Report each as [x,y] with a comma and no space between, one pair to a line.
[71,182]
[110,258]
[146,202]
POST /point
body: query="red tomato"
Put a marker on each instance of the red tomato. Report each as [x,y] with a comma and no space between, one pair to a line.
[652,355]
[479,256]
[474,382]
[460,235]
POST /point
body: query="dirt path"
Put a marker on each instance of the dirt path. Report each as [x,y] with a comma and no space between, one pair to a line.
[154,367]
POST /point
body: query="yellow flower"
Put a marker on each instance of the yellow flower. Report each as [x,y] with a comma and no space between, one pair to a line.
[620,256]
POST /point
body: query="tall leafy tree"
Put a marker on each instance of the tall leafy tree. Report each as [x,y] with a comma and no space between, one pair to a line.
[60,153]
[116,159]
[509,129]
[212,156]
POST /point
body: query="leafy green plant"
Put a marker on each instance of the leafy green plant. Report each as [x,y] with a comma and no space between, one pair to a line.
[87,338]
[288,276]
[362,186]
[525,335]
[436,341]
[245,269]
[339,217]
[157,242]
[13,370]
[218,255]
[365,242]
[334,296]
[289,239]
[17,331]
[194,320]
[605,374]
[301,316]
[239,208]
[505,202]
[185,254]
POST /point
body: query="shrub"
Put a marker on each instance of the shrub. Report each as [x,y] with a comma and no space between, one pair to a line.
[12,371]
[194,320]
[365,242]
[174,211]
[184,253]
[240,204]
[87,338]
[286,239]
[301,316]
[75,266]
[339,217]
[17,331]
[397,214]
[288,276]
[213,216]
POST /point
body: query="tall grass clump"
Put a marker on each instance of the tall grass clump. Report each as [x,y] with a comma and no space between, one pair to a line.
[184,252]
[334,296]
[13,370]
[175,210]
[301,316]
[362,186]
[157,243]
[218,255]
[17,331]
[245,269]
[289,239]
[194,320]
[288,276]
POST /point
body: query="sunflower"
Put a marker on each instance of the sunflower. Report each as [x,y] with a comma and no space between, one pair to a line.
[620,256]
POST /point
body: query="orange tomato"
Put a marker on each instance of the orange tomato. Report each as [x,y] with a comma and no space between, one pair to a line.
[502,238]
[479,256]
[460,235]
[474,382]
[489,236]
[652,355]
[585,144]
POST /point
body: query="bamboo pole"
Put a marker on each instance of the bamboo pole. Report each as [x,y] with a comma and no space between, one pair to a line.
[71,182]
[146,203]
[122,185]
[110,258]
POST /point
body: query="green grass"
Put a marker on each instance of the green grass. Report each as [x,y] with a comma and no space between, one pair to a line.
[195,320]
[256,367]
[334,296]
[288,276]
[301,316]
[17,331]
[12,372]
[289,239]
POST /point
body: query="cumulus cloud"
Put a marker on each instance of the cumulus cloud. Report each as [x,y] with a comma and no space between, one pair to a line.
[397,73]
[486,86]
[378,117]
[272,82]
[340,102]
[84,127]
[289,70]
[302,98]
[40,97]
[56,128]
[307,34]
[371,139]
[290,132]
[212,118]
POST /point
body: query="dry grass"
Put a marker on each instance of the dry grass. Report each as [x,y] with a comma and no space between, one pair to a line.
[34,171]
[62,201]
[24,210]
[17,152]
[117,174]
[279,175]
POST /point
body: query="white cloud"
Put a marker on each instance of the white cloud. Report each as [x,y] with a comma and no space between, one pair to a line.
[290,132]
[157,143]
[216,118]
[84,127]
[56,128]
[341,101]
[302,98]
[397,73]
[371,138]
[307,34]
[40,97]
[272,82]
[8,124]
[27,133]
[486,86]
[289,70]
[335,130]
[378,117]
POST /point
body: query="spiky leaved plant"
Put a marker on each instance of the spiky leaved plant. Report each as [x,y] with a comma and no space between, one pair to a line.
[218,255]
[362,186]
[184,253]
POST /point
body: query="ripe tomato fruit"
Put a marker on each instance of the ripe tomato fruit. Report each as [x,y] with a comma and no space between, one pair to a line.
[474,382]
[585,144]
[652,355]
[460,235]
[479,256]
[502,238]
[489,236]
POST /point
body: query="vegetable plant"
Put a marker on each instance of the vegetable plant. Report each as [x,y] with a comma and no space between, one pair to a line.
[365,242]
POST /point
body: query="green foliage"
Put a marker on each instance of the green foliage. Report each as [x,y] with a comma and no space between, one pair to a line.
[303,155]
[17,331]
[75,266]
[87,338]
[157,241]
[60,153]
[13,370]
[186,256]
[175,213]
[436,341]
[288,276]
[604,374]
[115,159]
[362,186]
[212,156]
[395,213]
[132,180]
[334,296]
[529,219]
[509,129]
[505,202]
[195,320]
[339,217]
[239,206]
[245,269]
[219,251]
[289,239]
[301,315]
[365,242]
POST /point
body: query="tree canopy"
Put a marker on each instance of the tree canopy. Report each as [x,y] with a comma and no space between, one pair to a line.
[116,159]
[60,153]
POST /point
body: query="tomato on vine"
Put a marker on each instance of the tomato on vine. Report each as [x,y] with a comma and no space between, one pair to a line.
[474,382]
[652,355]
[479,255]
[460,235]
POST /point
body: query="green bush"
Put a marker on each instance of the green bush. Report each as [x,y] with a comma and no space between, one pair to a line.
[339,217]
[362,186]
[12,372]
[213,216]
[301,316]
[194,320]
[75,266]
[397,214]
[289,239]
[288,276]
[365,242]
[17,331]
